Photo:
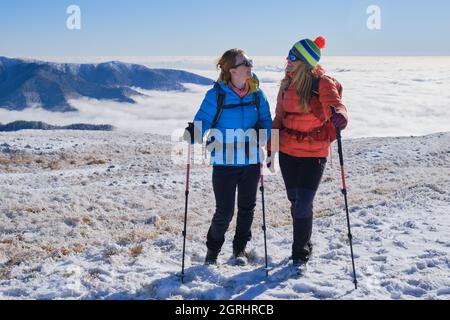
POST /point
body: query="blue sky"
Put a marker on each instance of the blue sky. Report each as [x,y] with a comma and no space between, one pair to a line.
[208,27]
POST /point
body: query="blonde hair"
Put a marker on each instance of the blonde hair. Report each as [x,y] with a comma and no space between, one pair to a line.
[302,79]
[227,62]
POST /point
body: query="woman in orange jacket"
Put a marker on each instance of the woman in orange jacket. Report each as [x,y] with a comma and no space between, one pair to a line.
[307,127]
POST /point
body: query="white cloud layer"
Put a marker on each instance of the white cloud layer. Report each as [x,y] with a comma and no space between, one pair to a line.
[385,96]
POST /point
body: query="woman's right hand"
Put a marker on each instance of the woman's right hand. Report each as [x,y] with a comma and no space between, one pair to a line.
[270,161]
[339,121]
[188,135]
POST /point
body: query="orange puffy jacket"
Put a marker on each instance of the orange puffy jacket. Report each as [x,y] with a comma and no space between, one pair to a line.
[307,135]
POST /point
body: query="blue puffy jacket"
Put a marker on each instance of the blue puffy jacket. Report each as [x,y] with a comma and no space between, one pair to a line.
[234,148]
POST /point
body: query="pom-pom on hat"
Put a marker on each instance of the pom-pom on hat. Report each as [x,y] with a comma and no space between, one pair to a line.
[309,51]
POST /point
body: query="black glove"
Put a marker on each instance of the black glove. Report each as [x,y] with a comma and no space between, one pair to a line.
[188,135]
[339,121]
[270,161]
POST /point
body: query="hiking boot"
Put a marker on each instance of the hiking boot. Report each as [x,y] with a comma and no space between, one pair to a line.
[305,257]
[240,258]
[211,257]
[299,265]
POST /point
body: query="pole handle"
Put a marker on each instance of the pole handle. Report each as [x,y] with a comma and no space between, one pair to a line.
[338,131]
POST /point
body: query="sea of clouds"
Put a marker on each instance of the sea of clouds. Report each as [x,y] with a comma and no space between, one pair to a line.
[385,96]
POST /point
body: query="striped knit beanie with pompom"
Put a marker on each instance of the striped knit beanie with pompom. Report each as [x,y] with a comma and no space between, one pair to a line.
[309,51]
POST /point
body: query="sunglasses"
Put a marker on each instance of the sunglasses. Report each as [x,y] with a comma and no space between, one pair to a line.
[292,57]
[247,62]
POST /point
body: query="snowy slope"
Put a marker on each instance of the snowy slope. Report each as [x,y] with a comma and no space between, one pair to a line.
[90,215]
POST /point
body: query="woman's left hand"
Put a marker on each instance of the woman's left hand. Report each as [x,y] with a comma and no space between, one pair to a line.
[339,121]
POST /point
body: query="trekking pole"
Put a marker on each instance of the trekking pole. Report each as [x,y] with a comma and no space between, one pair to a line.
[344,192]
[188,168]
[263,209]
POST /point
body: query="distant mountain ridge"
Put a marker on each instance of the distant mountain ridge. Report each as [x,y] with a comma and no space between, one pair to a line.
[39,125]
[30,83]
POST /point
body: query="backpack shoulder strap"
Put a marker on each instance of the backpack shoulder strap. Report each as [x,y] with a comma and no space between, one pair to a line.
[257,100]
[315,87]
[220,101]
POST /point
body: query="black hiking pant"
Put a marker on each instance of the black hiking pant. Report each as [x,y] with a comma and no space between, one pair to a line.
[302,178]
[225,181]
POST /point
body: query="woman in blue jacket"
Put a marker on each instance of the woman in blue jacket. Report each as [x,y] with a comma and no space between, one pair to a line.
[232,112]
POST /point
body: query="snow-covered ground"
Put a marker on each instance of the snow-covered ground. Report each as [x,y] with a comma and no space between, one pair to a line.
[99,215]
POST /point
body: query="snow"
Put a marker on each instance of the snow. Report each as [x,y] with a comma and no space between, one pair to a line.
[99,215]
